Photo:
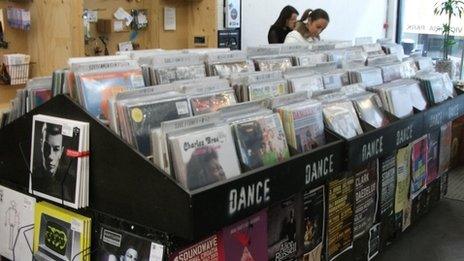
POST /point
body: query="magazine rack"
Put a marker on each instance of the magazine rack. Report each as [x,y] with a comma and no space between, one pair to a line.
[125,185]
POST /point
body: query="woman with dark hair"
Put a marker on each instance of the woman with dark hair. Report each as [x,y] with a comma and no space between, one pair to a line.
[309,28]
[284,25]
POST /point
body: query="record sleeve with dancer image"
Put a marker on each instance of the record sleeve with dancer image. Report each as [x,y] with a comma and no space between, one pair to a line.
[54,175]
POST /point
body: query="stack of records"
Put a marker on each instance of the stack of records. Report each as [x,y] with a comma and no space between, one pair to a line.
[168,67]
[419,101]
[4,117]
[391,71]
[354,58]
[37,92]
[273,63]
[138,115]
[337,56]
[353,89]
[437,86]
[17,221]
[373,49]
[368,108]
[383,59]
[241,81]
[308,83]
[261,141]
[60,234]
[336,79]
[340,116]
[98,82]
[303,125]
[309,59]
[409,69]
[206,103]
[59,163]
[115,244]
[425,64]
[327,96]
[158,137]
[322,46]
[59,81]
[203,156]
[395,98]
[368,76]
[395,49]
[226,63]
[263,90]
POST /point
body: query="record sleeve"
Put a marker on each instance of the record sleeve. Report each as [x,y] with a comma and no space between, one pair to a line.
[306,83]
[207,249]
[98,88]
[340,217]
[263,90]
[387,185]
[341,118]
[115,244]
[261,142]
[365,200]
[403,181]
[374,241]
[445,148]
[282,230]
[145,116]
[204,157]
[368,111]
[419,158]
[60,234]
[432,156]
[247,239]
[212,102]
[314,219]
[17,212]
[53,141]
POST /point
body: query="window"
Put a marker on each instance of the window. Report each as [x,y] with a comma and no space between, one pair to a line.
[419,30]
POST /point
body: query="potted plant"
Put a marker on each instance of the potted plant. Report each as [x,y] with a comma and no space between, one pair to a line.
[451,8]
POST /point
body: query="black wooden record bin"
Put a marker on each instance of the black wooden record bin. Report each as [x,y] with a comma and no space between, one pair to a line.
[127,188]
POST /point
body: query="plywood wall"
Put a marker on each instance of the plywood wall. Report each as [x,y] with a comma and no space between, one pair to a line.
[56,34]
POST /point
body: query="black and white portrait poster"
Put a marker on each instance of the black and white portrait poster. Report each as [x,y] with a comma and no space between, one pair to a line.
[54,175]
[120,245]
[387,185]
[313,223]
[365,188]
[374,241]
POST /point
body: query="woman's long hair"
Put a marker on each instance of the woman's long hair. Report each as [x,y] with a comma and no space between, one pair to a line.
[285,14]
[309,16]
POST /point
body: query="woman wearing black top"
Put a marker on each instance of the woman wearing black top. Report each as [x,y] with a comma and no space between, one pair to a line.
[284,25]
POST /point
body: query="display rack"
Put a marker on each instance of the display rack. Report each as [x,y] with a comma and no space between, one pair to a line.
[127,186]
[124,184]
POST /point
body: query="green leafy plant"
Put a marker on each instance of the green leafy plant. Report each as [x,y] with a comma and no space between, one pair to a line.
[450,8]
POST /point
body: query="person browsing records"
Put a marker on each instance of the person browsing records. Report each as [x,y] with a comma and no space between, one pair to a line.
[284,25]
[309,28]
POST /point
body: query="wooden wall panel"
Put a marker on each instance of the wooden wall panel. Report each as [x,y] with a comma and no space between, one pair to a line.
[203,22]
[56,34]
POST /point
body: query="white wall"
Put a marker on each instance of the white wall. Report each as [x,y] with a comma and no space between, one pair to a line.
[348,18]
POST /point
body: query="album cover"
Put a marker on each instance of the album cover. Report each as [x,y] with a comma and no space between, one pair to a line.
[314,223]
[145,116]
[98,88]
[365,200]
[277,64]
[340,217]
[54,174]
[374,241]
[212,102]
[419,158]
[303,125]
[204,156]
[226,69]
[368,111]
[207,249]
[17,223]
[261,142]
[115,244]
[246,240]
[387,185]
[445,148]
[341,118]
[282,230]
[170,74]
[262,90]
[403,181]
[309,84]
[432,156]
[60,234]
